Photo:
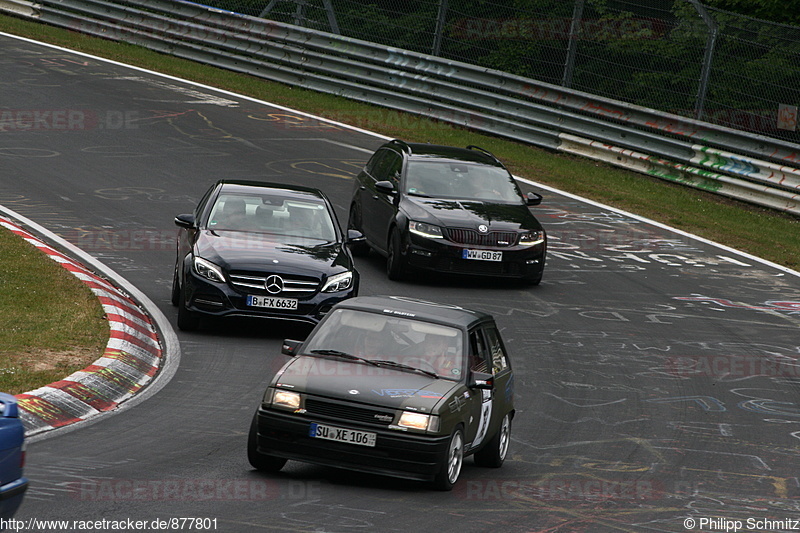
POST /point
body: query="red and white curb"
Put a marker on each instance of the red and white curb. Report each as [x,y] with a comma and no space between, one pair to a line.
[131,359]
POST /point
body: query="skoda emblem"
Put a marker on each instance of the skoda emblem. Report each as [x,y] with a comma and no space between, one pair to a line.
[483,228]
[274,284]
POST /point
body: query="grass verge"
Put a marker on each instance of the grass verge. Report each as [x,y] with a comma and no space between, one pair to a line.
[52,323]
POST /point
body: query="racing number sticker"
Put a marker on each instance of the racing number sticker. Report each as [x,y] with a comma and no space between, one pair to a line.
[486,414]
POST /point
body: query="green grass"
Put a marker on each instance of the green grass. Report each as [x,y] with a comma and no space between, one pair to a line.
[768,234]
[52,323]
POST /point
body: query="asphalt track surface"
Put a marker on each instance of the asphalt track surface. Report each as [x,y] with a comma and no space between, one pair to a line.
[657,374]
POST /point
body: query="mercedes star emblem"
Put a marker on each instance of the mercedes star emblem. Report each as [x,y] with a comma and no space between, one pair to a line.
[274,284]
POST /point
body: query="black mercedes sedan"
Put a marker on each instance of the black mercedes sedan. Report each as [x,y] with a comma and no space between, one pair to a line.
[259,249]
[447,209]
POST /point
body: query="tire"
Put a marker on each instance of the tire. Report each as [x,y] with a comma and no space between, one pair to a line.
[452,462]
[533,280]
[354,222]
[260,461]
[494,453]
[176,288]
[395,263]
[187,320]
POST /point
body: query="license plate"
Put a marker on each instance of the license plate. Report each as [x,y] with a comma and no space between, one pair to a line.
[350,436]
[482,255]
[272,302]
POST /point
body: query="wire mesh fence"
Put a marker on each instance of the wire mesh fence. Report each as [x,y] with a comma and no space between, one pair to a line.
[678,56]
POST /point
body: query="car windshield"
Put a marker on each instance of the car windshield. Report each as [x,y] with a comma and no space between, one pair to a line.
[450,179]
[378,337]
[305,219]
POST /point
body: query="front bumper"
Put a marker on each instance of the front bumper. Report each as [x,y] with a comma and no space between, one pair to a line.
[11,496]
[220,300]
[442,255]
[395,453]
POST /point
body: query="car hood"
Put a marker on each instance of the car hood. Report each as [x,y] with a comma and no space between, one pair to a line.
[236,250]
[471,214]
[358,382]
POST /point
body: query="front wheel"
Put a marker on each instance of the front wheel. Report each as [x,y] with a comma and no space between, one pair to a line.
[494,453]
[187,320]
[176,288]
[354,222]
[258,460]
[533,280]
[395,263]
[451,466]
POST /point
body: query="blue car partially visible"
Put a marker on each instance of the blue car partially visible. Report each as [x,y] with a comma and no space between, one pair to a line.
[12,457]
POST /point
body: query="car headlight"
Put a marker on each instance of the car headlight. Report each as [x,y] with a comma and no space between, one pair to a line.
[285,399]
[418,421]
[339,282]
[425,230]
[207,269]
[531,238]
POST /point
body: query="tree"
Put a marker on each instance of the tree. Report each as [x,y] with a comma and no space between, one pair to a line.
[782,11]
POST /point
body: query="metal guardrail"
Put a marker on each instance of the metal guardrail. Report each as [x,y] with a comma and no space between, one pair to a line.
[751,168]
[18,7]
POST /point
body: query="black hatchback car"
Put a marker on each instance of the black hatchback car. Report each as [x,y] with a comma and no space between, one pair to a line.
[262,250]
[392,386]
[446,209]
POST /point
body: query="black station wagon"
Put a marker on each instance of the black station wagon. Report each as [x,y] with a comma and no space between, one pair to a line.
[446,209]
[392,386]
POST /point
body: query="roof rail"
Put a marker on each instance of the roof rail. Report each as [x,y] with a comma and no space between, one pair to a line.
[403,145]
[484,150]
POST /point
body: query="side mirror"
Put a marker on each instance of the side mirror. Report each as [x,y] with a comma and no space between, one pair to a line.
[185,221]
[291,347]
[481,380]
[533,198]
[354,237]
[385,187]
[8,407]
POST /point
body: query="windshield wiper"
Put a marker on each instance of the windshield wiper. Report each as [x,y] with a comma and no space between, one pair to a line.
[419,194]
[395,364]
[343,355]
[373,362]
